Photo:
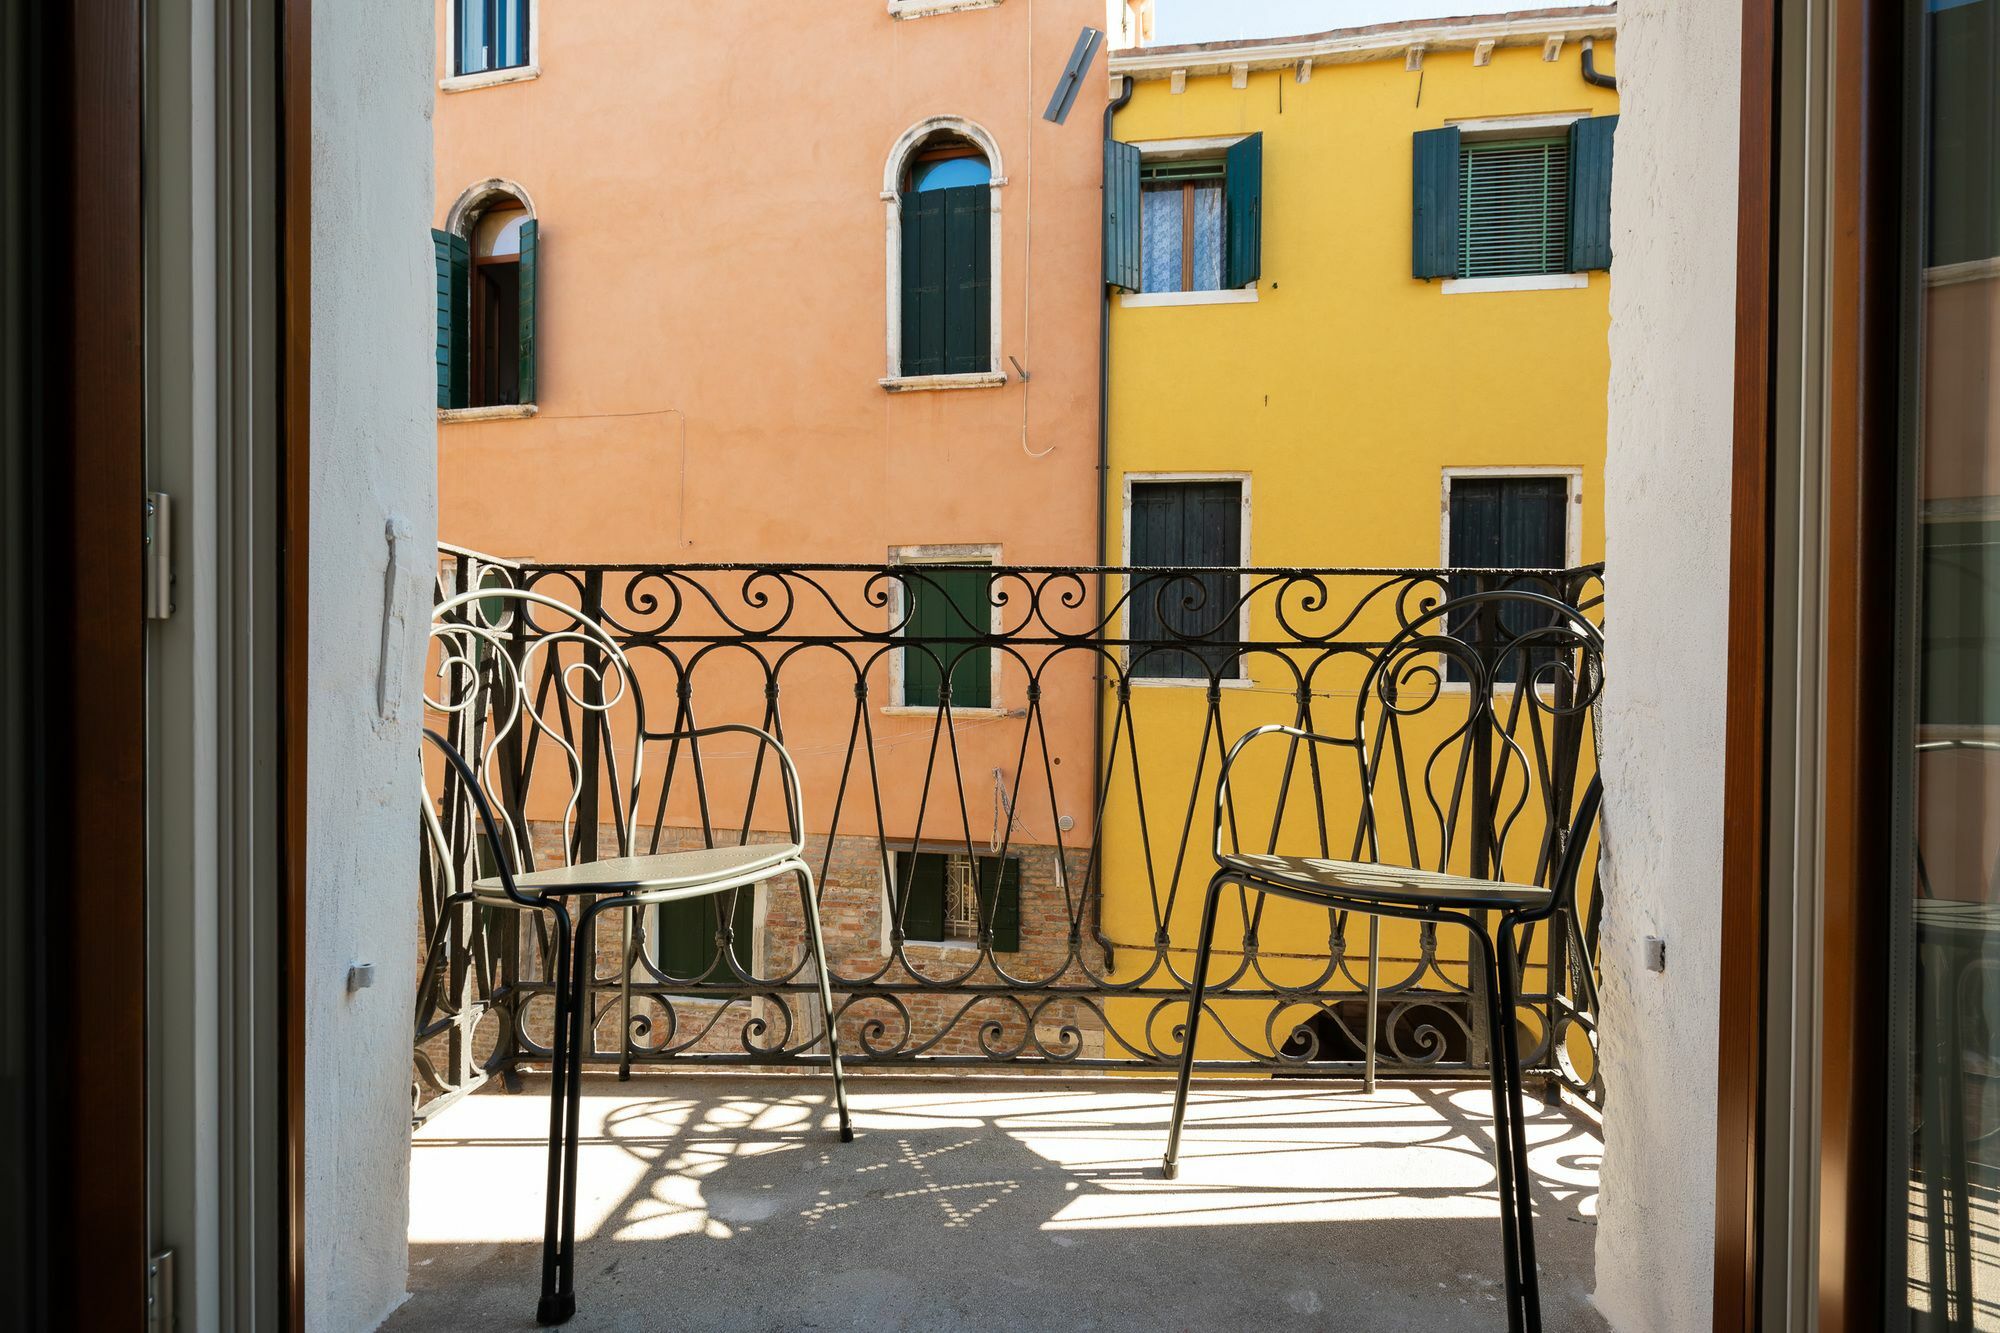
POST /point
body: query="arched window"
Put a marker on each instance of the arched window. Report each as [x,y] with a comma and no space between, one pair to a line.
[941,188]
[487,257]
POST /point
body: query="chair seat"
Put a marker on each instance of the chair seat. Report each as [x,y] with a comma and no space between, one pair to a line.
[1368,881]
[648,874]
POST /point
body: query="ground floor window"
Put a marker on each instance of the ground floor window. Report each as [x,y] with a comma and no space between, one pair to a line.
[949,606]
[1505,522]
[952,896]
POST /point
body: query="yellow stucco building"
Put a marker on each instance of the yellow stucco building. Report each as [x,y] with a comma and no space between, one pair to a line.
[1359,319]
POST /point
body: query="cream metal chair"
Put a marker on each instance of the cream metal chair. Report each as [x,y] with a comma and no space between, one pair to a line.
[485,664]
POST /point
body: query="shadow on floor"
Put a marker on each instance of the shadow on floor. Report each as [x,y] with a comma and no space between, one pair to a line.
[966,1206]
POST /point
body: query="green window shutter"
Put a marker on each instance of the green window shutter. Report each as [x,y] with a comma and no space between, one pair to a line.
[1122,252]
[684,945]
[948,607]
[1005,913]
[525,392]
[968,240]
[453,258]
[923,283]
[924,878]
[1434,219]
[1514,208]
[1179,525]
[1590,192]
[1243,209]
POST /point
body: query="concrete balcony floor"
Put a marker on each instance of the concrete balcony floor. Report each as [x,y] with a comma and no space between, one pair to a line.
[712,1202]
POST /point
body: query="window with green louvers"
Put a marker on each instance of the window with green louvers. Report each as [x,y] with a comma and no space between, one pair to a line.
[1514,207]
[684,935]
[946,281]
[948,608]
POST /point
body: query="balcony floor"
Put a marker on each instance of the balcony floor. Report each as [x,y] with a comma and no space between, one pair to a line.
[725,1203]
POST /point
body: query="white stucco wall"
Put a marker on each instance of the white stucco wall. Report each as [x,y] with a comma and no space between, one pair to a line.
[1667,487]
[373,459]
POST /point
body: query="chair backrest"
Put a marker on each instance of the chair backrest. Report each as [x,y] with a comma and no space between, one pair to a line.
[1469,730]
[516,674]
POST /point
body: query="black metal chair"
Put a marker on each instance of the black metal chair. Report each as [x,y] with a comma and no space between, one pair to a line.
[486,665]
[1554,655]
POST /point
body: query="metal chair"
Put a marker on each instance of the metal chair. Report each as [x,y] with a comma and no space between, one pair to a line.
[1556,664]
[486,662]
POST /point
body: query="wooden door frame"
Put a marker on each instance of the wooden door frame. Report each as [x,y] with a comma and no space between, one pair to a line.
[295,490]
[1862,375]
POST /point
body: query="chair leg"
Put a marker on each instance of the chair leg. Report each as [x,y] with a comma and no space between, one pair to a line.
[555,1307]
[1524,1197]
[582,970]
[806,891]
[1374,1001]
[1170,1167]
[630,952]
[1503,1134]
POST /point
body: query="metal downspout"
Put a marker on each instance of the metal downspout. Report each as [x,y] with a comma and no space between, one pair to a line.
[1097,772]
[1590,74]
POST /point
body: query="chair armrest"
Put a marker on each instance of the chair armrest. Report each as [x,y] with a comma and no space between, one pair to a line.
[1243,743]
[795,807]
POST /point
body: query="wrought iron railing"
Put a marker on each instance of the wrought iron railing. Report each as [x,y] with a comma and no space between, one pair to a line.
[1046,740]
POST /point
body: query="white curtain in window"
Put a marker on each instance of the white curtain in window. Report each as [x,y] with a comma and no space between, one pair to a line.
[1207,275]
[1160,221]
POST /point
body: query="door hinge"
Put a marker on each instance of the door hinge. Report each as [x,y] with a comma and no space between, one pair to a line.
[159,522]
[160,1293]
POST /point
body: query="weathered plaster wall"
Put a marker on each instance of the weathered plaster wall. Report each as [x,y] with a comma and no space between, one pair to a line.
[1667,485]
[373,460]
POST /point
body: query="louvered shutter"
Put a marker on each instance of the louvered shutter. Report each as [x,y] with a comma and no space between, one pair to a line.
[1000,900]
[530,248]
[1590,145]
[1175,525]
[923,283]
[1123,250]
[684,943]
[1434,218]
[1243,205]
[1514,208]
[968,240]
[923,913]
[453,258]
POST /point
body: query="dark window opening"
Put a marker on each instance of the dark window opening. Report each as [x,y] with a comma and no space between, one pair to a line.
[1193,530]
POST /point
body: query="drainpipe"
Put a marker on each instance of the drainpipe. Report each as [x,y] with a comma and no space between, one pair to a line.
[1590,74]
[1103,541]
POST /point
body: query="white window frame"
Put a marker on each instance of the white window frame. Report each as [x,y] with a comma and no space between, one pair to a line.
[893,379]
[1168,150]
[1572,530]
[459,220]
[454,82]
[1485,128]
[1241,682]
[955,554]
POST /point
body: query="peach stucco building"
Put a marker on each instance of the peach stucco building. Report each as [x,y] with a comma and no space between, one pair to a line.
[787,284]
[718,382]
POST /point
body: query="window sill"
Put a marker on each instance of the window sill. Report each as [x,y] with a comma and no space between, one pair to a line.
[1224,296]
[991,379]
[930,710]
[923,9]
[489,78]
[1189,682]
[450,416]
[1530,282]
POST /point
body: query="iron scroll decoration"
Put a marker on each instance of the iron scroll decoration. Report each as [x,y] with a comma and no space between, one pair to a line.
[1469,696]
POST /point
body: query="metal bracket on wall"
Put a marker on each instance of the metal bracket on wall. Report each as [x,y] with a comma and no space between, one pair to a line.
[159,521]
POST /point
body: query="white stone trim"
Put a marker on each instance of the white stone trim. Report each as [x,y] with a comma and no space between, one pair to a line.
[1168,149]
[1524,282]
[476,199]
[936,383]
[923,9]
[1217,296]
[1243,681]
[892,227]
[959,553]
[454,82]
[453,416]
[1476,128]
